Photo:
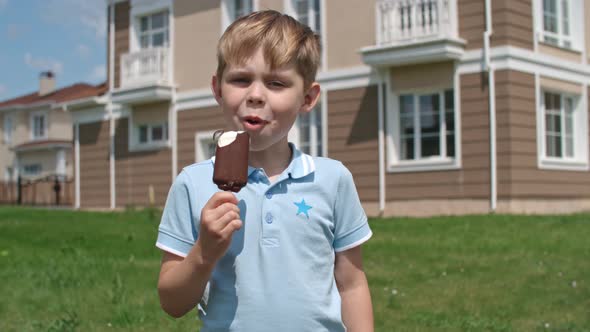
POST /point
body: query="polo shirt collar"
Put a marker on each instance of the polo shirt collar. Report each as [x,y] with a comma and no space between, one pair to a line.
[300,166]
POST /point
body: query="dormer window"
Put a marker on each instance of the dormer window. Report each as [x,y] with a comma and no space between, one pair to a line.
[153,30]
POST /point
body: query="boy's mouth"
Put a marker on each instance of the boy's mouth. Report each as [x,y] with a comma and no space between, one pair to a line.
[253,122]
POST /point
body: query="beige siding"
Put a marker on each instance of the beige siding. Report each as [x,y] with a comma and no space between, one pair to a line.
[197,28]
[191,122]
[563,86]
[432,75]
[512,23]
[345,38]
[559,52]
[352,136]
[94,164]
[527,181]
[60,125]
[122,29]
[271,4]
[151,113]
[136,172]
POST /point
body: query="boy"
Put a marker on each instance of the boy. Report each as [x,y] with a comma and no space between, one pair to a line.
[284,253]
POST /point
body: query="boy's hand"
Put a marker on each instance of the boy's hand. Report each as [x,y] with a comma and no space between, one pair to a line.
[220,218]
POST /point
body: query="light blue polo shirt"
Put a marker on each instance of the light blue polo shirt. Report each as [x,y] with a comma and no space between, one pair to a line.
[278,274]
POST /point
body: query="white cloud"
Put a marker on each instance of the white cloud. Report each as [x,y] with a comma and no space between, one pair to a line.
[41,63]
[98,74]
[83,50]
[89,14]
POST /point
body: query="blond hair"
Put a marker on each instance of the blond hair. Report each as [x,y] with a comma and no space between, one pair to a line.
[283,39]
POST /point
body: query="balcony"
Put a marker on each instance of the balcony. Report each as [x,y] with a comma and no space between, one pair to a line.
[414,31]
[145,77]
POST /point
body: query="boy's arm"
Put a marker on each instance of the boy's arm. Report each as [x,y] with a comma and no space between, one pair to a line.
[357,310]
[182,281]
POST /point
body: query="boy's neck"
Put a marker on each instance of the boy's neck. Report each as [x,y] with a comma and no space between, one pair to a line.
[273,160]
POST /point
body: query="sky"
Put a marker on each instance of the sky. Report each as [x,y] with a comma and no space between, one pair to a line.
[67,37]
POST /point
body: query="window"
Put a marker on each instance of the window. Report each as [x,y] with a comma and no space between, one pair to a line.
[7,129]
[310,132]
[204,145]
[32,169]
[557,23]
[152,133]
[559,125]
[426,127]
[8,174]
[233,9]
[153,30]
[39,125]
[308,13]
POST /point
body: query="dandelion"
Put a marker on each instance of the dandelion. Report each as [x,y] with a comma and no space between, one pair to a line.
[109,325]
[574,284]
[547,325]
[394,292]
[444,274]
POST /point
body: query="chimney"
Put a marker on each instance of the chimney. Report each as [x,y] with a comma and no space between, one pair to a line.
[46,83]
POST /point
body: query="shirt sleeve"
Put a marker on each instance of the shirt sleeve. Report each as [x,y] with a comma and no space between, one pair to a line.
[351,225]
[177,232]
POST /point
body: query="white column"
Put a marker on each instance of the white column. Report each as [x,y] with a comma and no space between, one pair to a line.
[77,166]
[60,162]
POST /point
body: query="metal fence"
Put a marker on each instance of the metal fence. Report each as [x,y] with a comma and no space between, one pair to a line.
[51,190]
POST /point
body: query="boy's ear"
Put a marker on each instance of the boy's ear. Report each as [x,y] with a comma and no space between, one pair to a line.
[311,97]
[216,88]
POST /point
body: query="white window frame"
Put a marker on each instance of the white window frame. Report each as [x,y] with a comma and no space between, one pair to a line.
[27,172]
[151,31]
[295,132]
[393,139]
[228,12]
[141,8]
[133,139]
[32,117]
[575,16]
[290,9]
[8,128]
[579,162]
[202,138]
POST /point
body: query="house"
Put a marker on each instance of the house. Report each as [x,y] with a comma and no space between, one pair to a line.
[36,136]
[436,106]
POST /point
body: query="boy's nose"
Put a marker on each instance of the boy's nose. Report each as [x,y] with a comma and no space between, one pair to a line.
[255,96]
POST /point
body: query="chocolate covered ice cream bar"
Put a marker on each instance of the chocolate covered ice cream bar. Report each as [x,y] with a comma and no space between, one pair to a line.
[231,161]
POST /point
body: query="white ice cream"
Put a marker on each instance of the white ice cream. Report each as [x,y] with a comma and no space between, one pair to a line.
[227,138]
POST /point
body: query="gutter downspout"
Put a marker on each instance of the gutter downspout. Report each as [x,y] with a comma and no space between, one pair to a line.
[173,121]
[110,102]
[381,111]
[489,67]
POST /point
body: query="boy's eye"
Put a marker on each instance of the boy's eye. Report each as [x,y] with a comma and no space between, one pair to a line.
[239,80]
[276,84]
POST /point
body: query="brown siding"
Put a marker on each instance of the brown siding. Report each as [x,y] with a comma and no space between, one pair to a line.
[515,91]
[190,122]
[471,16]
[512,23]
[352,136]
[94,164]
[472,180]
[135,172]
[122,26]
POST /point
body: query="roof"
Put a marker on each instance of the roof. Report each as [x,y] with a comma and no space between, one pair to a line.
[72,92]
[42,145]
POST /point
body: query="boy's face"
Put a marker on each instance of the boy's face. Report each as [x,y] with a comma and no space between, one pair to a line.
[262,102]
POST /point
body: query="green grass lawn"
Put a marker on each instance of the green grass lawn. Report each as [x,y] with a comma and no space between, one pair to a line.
[83,271]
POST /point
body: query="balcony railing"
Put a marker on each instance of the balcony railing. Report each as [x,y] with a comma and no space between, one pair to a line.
[147,66]
[407,21]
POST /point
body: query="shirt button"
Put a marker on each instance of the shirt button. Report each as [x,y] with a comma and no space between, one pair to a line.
[269,218]
[268,195]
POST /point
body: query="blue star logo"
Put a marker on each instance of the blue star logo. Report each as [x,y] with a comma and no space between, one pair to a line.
[303,208]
